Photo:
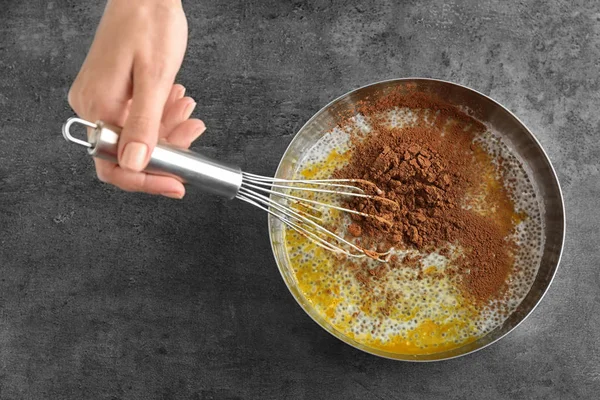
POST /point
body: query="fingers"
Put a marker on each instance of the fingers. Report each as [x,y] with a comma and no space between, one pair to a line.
[178,130]
[140,133]
[182,136]
[186,132]
[177,92]
[133,181]
[174,115]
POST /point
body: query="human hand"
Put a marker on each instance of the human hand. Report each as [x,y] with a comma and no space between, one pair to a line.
[128,79]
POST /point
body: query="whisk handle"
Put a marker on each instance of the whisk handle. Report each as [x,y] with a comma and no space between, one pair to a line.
[195,169]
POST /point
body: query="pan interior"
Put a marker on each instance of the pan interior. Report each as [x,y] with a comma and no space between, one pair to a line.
[503,123]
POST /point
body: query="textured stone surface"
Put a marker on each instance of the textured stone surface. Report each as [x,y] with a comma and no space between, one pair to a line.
[112,295]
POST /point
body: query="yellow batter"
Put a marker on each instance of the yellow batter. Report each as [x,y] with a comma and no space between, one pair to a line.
[388,308]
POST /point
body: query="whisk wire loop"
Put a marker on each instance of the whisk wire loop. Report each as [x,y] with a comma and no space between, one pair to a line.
[262,192]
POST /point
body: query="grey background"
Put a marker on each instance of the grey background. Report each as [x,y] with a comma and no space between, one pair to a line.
[113,295]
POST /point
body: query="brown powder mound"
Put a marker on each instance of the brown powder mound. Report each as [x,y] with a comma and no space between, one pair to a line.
[428,169]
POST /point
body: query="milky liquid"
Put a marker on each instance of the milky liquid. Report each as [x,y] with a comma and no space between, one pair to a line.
[425,310]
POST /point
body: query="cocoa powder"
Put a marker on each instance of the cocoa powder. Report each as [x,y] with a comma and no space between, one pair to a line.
[425,171]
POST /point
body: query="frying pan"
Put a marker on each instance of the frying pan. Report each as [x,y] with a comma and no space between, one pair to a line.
[512,131]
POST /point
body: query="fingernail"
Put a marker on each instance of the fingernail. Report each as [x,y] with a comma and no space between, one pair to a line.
[173,195]
[182,92]
[134,156]
[189,110]
[200,131]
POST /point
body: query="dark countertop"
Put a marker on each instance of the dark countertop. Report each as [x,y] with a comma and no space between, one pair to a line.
[113,295]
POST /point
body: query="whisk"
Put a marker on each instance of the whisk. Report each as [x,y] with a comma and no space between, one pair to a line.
[231,182]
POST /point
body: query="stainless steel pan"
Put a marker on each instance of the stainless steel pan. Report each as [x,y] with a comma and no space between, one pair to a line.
[488,111]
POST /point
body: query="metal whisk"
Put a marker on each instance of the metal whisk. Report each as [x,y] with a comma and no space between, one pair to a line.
[230,182]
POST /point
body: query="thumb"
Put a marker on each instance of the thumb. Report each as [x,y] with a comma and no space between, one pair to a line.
[140,133]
